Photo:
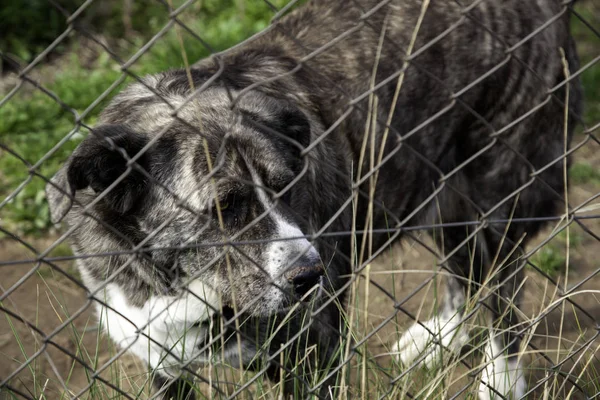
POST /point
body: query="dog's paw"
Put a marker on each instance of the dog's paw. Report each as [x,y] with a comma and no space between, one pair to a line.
[502,377]
[425,339]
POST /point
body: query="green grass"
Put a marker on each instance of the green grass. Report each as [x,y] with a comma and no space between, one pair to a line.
[32,123]
[588,45]
[582,173]
[552,259]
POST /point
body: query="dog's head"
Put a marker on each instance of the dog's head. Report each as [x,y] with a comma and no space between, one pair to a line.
[164,180]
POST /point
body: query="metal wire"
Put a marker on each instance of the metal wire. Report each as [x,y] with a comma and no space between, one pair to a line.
[559,364]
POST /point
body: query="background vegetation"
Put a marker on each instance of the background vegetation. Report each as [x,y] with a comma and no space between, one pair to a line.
[79,71]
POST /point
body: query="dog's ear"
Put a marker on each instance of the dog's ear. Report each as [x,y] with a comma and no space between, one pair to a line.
[97,163]
[283,120]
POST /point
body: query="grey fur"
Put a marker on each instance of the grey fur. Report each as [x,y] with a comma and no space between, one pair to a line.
[176,185]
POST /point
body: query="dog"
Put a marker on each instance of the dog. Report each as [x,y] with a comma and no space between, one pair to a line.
[228,192]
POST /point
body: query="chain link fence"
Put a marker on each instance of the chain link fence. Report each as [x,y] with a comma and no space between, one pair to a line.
[51,343]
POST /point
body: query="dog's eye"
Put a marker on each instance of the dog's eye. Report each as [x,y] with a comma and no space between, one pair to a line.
[226,204]
[232,210]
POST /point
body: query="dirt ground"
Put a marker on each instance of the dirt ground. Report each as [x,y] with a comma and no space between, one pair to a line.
[41,303]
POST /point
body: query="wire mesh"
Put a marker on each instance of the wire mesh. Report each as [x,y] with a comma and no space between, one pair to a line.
[177,239]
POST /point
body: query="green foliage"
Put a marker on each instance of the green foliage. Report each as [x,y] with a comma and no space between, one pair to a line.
[591,82]
[220,24]
[582,172]
[587,46]
[552,258]
[27,27]
[32,123]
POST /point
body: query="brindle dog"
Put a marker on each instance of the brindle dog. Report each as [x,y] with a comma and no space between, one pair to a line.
[229,192]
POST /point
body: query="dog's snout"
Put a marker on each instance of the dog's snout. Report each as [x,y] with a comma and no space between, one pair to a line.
[304,277]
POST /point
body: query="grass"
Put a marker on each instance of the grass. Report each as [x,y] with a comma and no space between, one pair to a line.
[582,172]
[551,258]
[33,117]
[31,123]
[587,46]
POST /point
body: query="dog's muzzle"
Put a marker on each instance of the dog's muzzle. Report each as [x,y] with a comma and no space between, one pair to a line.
[304,277]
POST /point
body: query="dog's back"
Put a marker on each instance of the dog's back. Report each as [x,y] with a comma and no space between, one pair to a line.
[451,79]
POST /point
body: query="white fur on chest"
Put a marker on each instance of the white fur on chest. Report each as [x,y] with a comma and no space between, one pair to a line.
[164,331]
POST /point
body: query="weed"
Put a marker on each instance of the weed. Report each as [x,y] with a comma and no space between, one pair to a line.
[582,173]
[551,258]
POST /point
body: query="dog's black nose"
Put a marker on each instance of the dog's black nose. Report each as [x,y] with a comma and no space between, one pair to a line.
[304,277]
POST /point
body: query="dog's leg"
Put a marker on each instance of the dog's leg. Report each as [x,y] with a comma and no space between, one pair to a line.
[503,376]
[442,334]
